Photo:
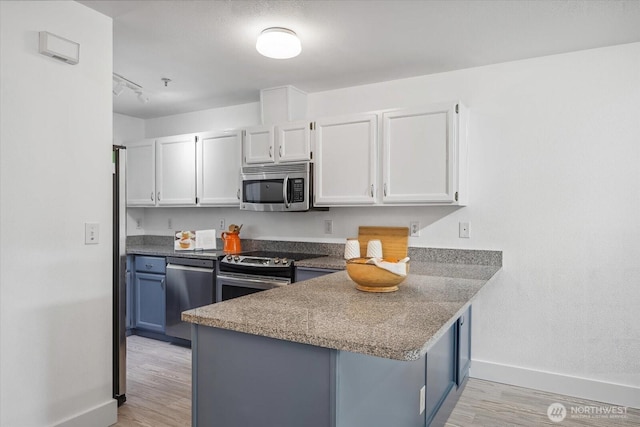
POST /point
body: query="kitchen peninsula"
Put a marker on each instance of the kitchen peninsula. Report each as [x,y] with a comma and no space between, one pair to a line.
[321,353]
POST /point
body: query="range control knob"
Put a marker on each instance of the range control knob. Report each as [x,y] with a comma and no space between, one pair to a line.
[285,261]
[236,258]
[276,260]
[229,257]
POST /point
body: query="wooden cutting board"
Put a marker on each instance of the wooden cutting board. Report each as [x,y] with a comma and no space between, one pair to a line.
[395,241]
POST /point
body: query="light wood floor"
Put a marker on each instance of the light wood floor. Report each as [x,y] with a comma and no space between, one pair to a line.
[159,395]
[158,385]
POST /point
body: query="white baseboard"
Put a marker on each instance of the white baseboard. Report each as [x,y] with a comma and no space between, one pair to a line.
[599,391]
[101,416]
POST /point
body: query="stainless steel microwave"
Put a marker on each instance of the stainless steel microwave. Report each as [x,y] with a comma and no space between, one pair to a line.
[277,188]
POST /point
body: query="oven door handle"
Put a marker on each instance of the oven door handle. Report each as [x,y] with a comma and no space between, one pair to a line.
[285,186]
[261,283]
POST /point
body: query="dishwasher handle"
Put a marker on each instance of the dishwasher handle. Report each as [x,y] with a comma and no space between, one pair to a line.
[189,268]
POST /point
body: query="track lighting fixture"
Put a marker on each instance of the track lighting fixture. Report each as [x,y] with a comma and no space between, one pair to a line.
[122,83]
[142,97]
[118,88]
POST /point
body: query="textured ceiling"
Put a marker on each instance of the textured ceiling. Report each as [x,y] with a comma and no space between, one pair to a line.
[208,47]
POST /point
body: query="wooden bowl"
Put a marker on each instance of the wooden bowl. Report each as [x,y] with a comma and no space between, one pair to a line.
[370,278]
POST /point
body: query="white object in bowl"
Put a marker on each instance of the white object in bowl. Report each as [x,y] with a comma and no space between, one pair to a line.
[374,249]
[352,249]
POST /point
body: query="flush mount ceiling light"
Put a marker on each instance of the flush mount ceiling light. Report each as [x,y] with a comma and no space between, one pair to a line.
[122,83]
[278,43]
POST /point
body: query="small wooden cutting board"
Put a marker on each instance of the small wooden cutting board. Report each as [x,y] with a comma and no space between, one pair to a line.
[395,241]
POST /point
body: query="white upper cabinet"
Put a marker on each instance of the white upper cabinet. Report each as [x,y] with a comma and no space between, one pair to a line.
[294,141]
[141,173]
[219,168]
[176,170]
[424,155]
[290,142]
[259,145]
[345,160]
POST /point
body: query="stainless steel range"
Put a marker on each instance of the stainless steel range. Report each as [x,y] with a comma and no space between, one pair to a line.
[251,272]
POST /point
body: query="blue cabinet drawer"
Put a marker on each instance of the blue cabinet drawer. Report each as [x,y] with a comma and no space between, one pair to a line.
[150,264]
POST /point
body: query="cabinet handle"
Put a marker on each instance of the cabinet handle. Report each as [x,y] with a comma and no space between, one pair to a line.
[461,320]
[149,266]
[158,196]
[371,190]
[270,151]
[280,151]
[162,284]
[238,194]
[384,189]
[152,196]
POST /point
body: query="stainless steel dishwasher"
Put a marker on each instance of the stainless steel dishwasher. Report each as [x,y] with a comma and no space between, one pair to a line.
[190,284]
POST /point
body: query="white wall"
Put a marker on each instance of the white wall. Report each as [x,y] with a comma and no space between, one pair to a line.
[554,173]
[127,128]
[233,117]
[55,175]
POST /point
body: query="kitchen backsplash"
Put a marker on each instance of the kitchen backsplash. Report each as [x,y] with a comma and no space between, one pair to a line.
[441,255]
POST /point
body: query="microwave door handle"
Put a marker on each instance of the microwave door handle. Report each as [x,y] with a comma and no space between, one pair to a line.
[284,192]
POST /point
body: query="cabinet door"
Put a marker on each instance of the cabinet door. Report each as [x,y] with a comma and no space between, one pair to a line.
[219,168]
[150,301]
[294,142]
[141,173]
[419,155]
[345,160]
[440,373]
[258,145]
[464,346]
[129,315]
[176,170]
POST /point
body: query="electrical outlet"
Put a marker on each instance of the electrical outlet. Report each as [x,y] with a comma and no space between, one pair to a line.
[221,225]
[422,400]
[138,223]
[170,224]
[91,233]
[328,226]
[464,230]
[414,228]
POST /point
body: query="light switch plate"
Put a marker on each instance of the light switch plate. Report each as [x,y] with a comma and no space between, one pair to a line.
[91,233]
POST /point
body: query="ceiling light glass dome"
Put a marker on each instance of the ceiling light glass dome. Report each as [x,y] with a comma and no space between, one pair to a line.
[278,43]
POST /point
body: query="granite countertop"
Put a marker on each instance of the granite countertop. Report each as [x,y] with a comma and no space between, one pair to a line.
[330,312]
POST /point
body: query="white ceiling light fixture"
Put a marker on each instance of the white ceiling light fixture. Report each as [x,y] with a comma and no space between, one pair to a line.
[278,43]
[122,83]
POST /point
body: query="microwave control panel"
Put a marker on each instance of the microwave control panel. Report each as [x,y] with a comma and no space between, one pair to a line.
[297,190]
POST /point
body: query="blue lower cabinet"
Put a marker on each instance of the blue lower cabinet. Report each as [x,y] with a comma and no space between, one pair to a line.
[464,346]
[129,316]
[243,379]
[440,374]
[150,302]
